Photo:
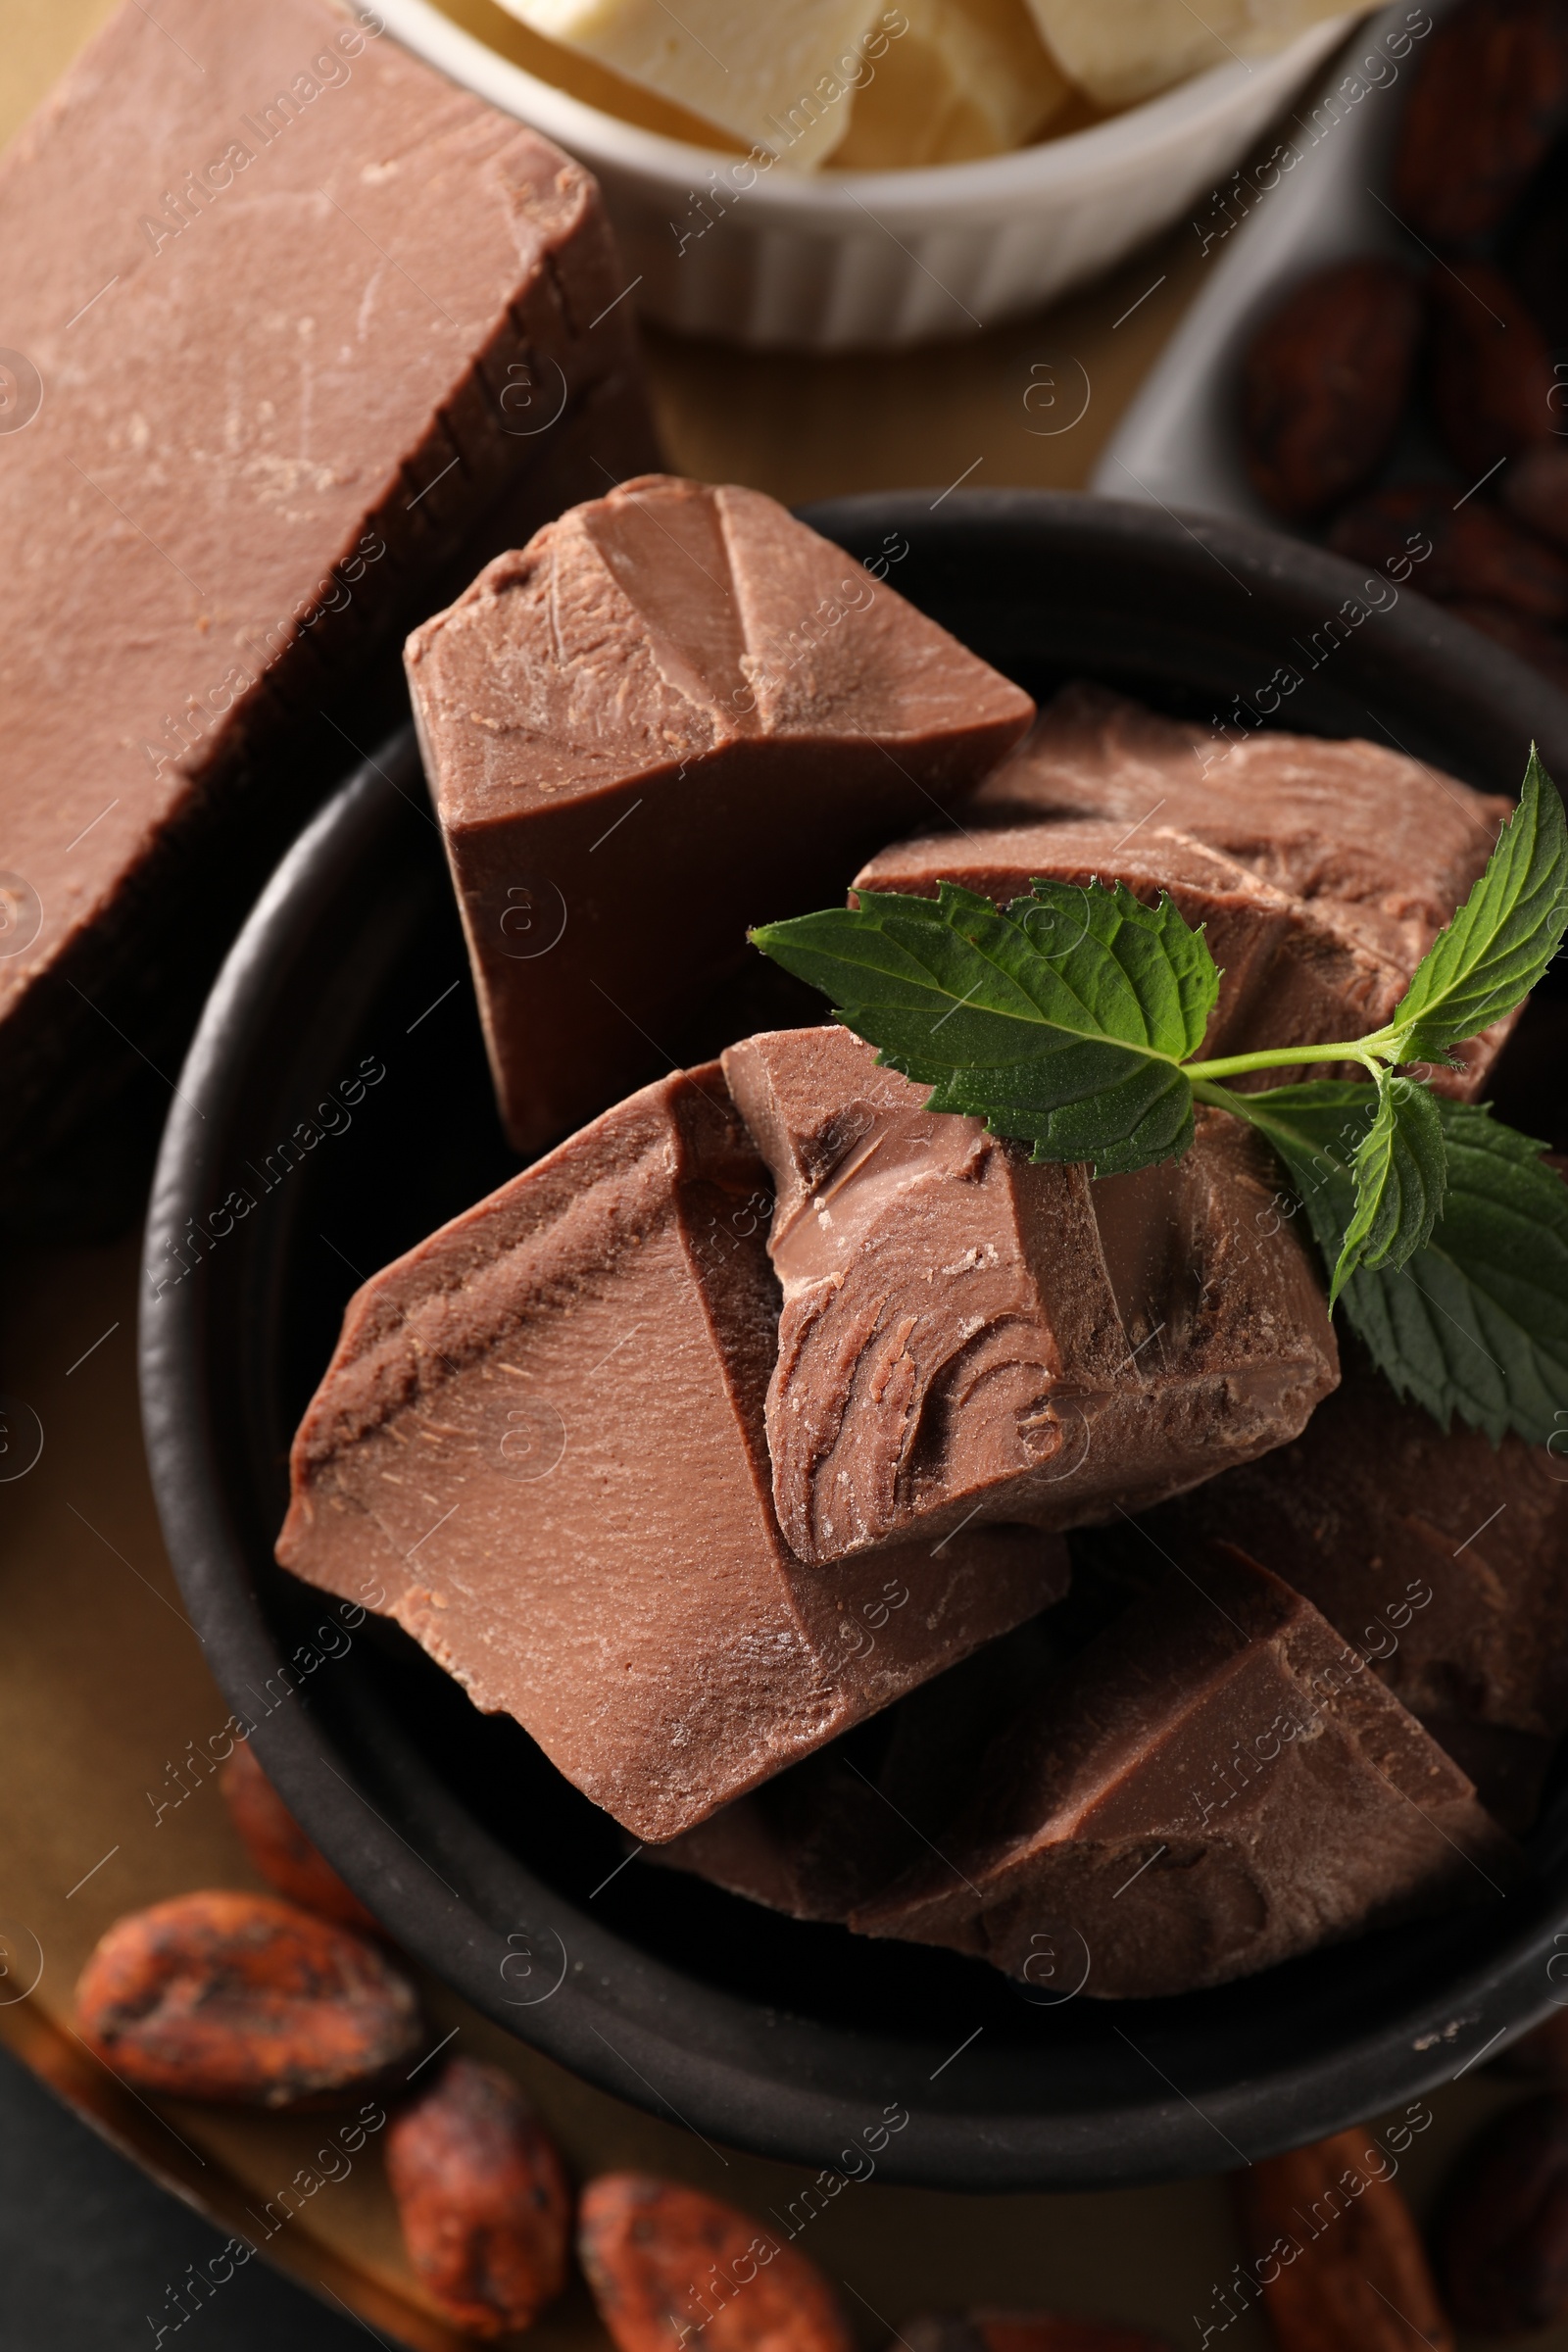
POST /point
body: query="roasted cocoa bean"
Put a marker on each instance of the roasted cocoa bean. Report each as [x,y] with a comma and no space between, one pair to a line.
[482,2197]
[279,1847]
[1502,2231]
[1416,537]
[1334,2253]
[1544,649]
[1023,2332]
[1492,384]
[1325,382]
[1490,97]
[660,2258]
[244,1999]
[1536,491]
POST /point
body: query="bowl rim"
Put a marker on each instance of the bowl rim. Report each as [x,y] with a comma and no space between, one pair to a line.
[1081,159]
[726,2056]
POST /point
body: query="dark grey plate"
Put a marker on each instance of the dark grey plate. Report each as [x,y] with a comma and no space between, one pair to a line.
[786,2039]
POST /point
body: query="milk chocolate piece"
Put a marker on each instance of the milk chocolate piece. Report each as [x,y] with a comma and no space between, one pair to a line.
[1440,1559]
[676,712]
[1290,972]
[1218,1784]
[289,315]
[1375,850]
[540,1448]
[829,1834]
[969,1337]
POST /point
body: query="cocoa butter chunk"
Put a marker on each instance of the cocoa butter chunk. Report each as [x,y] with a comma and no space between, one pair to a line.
[1217,1784]
[1380,848]
[1290,972]
[677,711]
[540,1446]
[290,319]
[969,1337]
[1440,1559]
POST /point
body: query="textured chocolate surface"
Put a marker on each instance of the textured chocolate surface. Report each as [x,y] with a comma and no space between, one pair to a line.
[540,1448]
[1440,1559]
[292,311]
[676,712]
[967,1337]
[1290,972]
[1374,851]
[1216,1785]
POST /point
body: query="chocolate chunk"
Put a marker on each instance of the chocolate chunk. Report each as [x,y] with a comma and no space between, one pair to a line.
[828,1835]
[289,318]
[676,712]
[1440,1559]
[1378,849]
[966,1337]
[540,1448]
[1292,971]
[1217,1784]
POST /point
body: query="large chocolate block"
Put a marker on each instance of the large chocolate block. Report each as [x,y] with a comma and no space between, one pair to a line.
[1373,849]
[1216,1785]
[290,321]
[540,1448]
[677,713]
[1442,1559]
[969,1337]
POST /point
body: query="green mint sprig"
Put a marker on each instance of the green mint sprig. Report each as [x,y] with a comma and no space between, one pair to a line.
[1072,1020]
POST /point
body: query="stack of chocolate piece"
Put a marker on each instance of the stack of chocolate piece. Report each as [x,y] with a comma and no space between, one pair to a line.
[759,1407]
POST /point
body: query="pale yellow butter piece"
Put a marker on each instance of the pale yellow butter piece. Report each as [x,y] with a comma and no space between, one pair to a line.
[970,77]
[1123,50]
[774,73]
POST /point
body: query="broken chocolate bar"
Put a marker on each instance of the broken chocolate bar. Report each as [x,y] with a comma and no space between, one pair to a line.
[1216,1785]
[1290,973]
[969,1338]
[288,317]
[1376,849]
[1440,1559]
[676,712]
[827,1835]
[540,1448]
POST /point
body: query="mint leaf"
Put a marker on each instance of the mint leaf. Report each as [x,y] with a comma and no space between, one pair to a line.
[1476,1321]
[1399,1169]
[1063,1021]
[1498,944]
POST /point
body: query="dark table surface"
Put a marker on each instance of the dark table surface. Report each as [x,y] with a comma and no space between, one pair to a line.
[90,2249]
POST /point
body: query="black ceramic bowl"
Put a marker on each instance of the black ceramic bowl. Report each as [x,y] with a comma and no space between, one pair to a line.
[786,2039]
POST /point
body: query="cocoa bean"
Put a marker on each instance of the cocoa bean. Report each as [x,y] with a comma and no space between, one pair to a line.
[1325,382]
[1022,2332]
[661,2257]
[1491,95]
[1544,649]
[1493,383]
[244,1999]
[482,2197]
[279,1847]
[1334,2253]
[1415,536]
[1503,2225]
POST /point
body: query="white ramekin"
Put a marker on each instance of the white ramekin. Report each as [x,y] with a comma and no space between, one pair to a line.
[879,258]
